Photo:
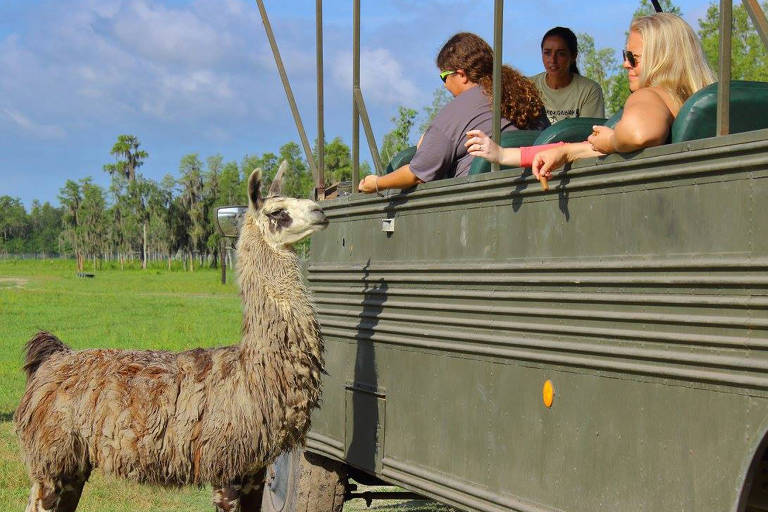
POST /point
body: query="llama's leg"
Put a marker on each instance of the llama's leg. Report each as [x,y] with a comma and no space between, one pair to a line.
[43,497]
[252,491]
[71,489]
[227,499]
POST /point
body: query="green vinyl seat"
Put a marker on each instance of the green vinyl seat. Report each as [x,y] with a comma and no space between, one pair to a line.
[400,159]
[611,121]
[574,129]
[511,139]
[697,118]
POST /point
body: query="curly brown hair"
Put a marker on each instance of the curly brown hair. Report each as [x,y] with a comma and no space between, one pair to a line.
[520,100]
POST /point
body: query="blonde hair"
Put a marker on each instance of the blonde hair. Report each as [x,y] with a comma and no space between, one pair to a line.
[672,56]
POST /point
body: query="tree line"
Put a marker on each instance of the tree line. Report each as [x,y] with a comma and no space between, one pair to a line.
[140,218]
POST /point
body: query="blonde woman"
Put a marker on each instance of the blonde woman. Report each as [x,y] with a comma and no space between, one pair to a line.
[665,65]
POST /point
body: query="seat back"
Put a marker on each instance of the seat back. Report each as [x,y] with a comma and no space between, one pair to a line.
[400,159]
[697,118]
[611,121]
[511,139]
[574,129]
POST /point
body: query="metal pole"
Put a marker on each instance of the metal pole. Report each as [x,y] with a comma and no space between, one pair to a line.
[368,132]
[498,16]
[724,87]
[288,91]
[355,85]
[320,178]
[223,257]
[758,19]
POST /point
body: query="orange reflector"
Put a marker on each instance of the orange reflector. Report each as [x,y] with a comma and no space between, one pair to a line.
[548,393]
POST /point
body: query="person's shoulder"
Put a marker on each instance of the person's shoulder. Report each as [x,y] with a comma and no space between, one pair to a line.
[650,95]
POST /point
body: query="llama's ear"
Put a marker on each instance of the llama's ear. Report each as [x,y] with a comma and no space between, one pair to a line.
[277,184]
[254,189]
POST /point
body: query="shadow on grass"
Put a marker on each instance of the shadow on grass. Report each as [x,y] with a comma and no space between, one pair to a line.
[6,416]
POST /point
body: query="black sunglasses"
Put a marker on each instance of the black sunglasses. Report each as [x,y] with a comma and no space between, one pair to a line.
[630,57]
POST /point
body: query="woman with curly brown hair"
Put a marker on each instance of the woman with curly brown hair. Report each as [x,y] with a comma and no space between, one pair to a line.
[466,68]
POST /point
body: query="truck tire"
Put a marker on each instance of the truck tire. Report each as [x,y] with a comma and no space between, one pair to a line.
[300,481]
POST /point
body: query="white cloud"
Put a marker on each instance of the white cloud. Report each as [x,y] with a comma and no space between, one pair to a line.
[382,78]
[44,131]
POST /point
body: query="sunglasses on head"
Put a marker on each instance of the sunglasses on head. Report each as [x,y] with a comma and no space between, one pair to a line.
[444,75]
[630,57]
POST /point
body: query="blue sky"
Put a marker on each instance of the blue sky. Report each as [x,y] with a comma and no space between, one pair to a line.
[198,76]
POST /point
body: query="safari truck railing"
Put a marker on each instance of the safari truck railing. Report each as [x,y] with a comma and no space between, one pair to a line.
[600,346]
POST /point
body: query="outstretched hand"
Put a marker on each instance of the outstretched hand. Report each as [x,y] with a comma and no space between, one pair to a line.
[368,184]
[479,144]
[547,161]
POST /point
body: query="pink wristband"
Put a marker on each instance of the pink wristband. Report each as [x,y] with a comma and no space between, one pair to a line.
[527,153]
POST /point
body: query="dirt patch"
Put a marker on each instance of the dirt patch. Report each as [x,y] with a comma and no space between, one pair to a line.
[13,282]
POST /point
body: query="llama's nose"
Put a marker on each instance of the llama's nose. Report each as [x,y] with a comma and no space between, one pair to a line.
[318,216]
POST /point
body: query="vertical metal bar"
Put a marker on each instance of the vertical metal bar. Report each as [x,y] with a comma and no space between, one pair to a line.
[368,132]
[355,85]
[758,19]
[498,17]
[288,91]
[320,181]
[724,87]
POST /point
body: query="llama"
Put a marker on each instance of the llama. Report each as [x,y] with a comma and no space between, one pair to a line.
[217,416]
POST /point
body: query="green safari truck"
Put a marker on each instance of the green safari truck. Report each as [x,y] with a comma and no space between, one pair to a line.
[601,346]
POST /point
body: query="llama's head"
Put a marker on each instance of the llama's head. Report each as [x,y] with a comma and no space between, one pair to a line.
[282,221]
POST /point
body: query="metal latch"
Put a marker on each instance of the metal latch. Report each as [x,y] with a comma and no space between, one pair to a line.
[388,225]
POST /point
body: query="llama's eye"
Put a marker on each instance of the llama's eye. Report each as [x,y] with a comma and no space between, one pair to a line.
[278,219]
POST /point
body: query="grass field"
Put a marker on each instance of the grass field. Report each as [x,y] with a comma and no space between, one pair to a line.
[129,308]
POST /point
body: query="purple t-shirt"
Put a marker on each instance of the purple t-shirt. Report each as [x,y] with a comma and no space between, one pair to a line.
[442,153]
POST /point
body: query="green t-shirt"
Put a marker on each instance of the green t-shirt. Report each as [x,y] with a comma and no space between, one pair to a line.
[581,98]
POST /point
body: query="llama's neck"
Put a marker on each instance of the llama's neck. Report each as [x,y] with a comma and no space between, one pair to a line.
[278,317]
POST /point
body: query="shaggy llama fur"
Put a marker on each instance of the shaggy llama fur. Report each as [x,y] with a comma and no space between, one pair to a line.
[217,416]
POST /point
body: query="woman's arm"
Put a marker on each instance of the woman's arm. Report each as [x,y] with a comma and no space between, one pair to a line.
[479,144]
[400,178]
[645,122]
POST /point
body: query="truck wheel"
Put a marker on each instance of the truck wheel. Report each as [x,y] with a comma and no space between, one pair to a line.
[300,481]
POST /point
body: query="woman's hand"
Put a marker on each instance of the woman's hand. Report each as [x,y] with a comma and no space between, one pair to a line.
[602,139]
[547,161]
[368,184]
[479,144]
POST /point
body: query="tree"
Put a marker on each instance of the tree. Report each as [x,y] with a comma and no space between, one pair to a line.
[128,157]
[297,181]
[749,60]
[399,138]
[93,219]
[14,224]
[232,187]
[71,198]
[191,182]
[45,226]
[598,65]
